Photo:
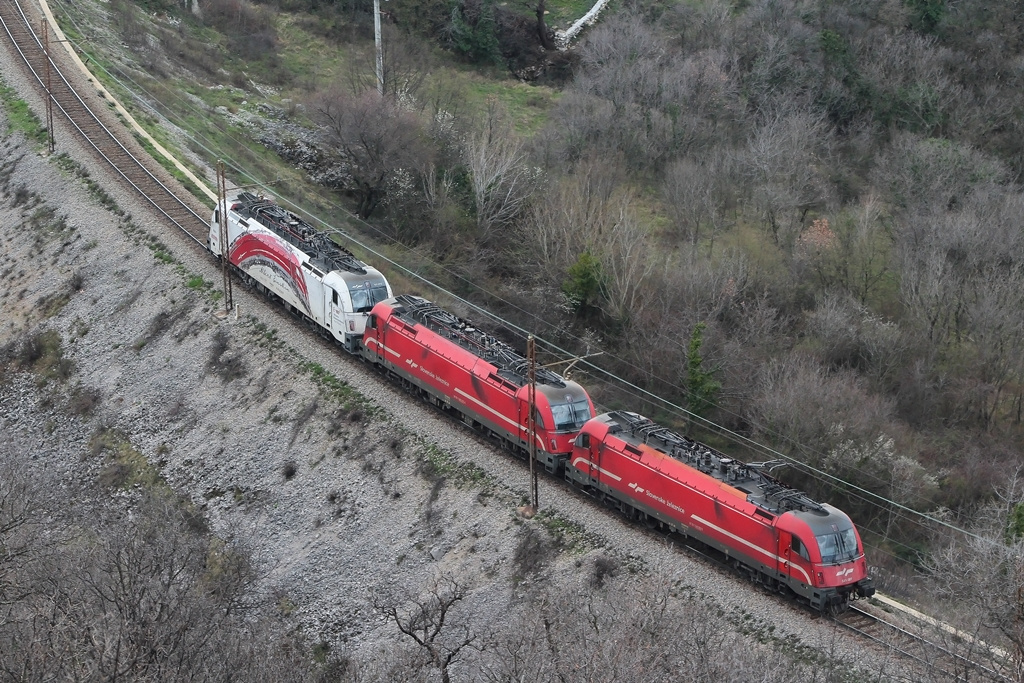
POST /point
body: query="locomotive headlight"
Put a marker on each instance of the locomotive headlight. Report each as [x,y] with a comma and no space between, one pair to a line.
[821,578]
[351,325]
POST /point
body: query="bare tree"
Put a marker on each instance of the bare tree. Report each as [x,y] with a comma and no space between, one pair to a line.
[851,336]
[695,196]
[787,161]
[707,83]
[428,620]
[18,530]
[621,58]
[373,138]
[406,64]
[960,255]
[799,403]
[911,72]
[146,598]
[853,252]
[575,210]
[502,179]
[984,596]
[926,176]
[628,262]
[622,100]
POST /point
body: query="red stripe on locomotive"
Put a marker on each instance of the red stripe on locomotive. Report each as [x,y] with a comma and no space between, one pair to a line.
[251,249]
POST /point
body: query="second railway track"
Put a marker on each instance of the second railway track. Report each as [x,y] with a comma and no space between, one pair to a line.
[22,30]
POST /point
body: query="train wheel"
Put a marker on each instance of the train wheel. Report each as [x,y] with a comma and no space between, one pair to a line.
[834,609]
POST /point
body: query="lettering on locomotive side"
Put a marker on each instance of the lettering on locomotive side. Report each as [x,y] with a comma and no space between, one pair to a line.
[413,365]
[666,503]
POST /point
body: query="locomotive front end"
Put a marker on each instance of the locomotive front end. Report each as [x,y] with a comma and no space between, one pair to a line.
[829,546]
[567,410]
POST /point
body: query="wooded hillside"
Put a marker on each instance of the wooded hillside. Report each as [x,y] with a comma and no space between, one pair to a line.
[801,221]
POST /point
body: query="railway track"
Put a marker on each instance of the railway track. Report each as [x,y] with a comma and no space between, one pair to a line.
[952,659]
[23,30]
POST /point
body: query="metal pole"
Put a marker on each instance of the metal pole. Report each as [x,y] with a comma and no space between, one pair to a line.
[50,141]
[222,211]
[379,47]
[531,357]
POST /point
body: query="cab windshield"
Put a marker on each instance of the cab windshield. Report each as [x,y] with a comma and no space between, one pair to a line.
[366,294]
[569,417]
[838,547]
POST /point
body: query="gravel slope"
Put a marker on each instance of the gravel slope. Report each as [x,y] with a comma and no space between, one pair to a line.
[361,513]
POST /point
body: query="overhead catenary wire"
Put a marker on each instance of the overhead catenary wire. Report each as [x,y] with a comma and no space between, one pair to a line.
[621,383]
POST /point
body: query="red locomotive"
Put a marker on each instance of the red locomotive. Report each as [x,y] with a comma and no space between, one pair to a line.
[483,380]
[776,534]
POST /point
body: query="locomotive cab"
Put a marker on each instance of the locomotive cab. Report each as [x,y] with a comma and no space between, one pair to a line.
[349,301]
[822,551]
[568,409]
[284,256]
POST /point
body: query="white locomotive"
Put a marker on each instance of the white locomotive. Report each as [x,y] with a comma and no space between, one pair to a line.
[281,254]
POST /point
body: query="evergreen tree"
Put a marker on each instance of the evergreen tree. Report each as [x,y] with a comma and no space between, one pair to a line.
[701,385]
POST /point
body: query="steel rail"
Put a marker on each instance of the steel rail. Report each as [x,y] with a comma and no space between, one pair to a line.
[872,627]
[92,130]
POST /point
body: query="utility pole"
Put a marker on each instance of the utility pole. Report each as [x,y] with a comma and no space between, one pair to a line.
[222,224]
[531,359]
[50,141]
[379,47]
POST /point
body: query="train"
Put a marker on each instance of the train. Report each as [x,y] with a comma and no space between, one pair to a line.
[775,534]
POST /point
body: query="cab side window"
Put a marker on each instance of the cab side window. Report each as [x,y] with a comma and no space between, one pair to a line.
[583,441]
[371,320]
[800,549]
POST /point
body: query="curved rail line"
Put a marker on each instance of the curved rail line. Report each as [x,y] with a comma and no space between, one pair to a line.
[26,42]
